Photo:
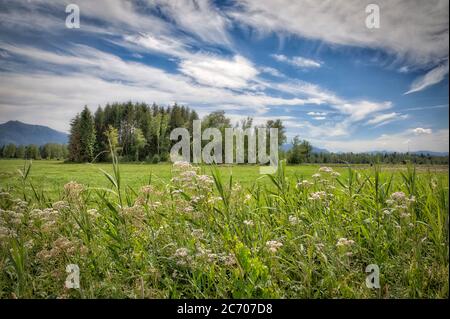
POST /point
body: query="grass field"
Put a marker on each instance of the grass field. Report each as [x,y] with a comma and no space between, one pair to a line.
[163,231]
[51,176]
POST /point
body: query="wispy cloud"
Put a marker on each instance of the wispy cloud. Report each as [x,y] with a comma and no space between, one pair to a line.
[198,17]
[298,61]
[400,142]
[383,119]
[342,22]
[434,76]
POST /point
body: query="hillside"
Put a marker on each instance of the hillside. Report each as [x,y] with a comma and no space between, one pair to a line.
[20,133]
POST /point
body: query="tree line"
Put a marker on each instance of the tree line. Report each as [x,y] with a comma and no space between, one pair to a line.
[32,151]
[141,132]
[302,152]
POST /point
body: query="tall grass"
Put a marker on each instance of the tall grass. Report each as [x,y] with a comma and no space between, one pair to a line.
[204,236]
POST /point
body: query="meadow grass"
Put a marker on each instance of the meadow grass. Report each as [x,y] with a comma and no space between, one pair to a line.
[163,231]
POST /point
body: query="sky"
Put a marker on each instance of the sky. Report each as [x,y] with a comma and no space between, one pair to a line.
[314,64]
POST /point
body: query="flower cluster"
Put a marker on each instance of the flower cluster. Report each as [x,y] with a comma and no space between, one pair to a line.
[342,242]
[399,201]
[304,184]
[317,196]
[73,190]
[62,246]
[273,245]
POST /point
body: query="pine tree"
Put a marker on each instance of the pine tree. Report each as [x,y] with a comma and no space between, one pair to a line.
[87,135]
[75,140]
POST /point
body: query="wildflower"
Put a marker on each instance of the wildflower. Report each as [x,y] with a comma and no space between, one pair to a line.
[317,195]
[412,199]
[387,212]
[188,209]
[325,169]
[317,175]
[228,260]
[73,189]
[147,189]
[335,174]
[181,165]
[186,175]
[273,245]
[181,252]
[198,233]
[155,204]
[248,222]
[398,196]
[305,184]
[214,199]
[344,242]
[400,202]
[205,180]
[7,233]
[247,197]
[133,211]
[60,205]
[320,246]
[293,220]
[196,199]
[93,212]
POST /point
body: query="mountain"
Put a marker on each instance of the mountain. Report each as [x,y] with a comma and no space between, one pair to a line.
[23,134]
[425,153]
[431,153]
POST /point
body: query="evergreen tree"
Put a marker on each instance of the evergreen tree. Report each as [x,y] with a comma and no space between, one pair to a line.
[75,140]
[87,135]
[9,151]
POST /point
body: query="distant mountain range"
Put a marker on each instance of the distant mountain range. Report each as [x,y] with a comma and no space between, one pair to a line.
[431,153]
[317,150]
[20,133]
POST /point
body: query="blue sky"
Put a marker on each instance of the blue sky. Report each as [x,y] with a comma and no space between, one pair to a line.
[314,64]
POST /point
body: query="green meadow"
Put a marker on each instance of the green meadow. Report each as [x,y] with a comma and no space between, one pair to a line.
[182,231]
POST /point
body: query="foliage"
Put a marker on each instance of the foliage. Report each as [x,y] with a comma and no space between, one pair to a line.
[203,235]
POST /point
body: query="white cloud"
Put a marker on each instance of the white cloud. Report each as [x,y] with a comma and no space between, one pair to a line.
[86,76]
[219,72]
[359,110]
[317,113]
[158,43]
[414,32]
[399,142]
[434,76]
[199,17]
[297,61]
[421,131]
[382,119]
[271,71]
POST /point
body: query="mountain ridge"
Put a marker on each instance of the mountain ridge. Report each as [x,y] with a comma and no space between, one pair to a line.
[20,133]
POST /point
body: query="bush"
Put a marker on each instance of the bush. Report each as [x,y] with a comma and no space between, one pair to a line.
[156,159]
